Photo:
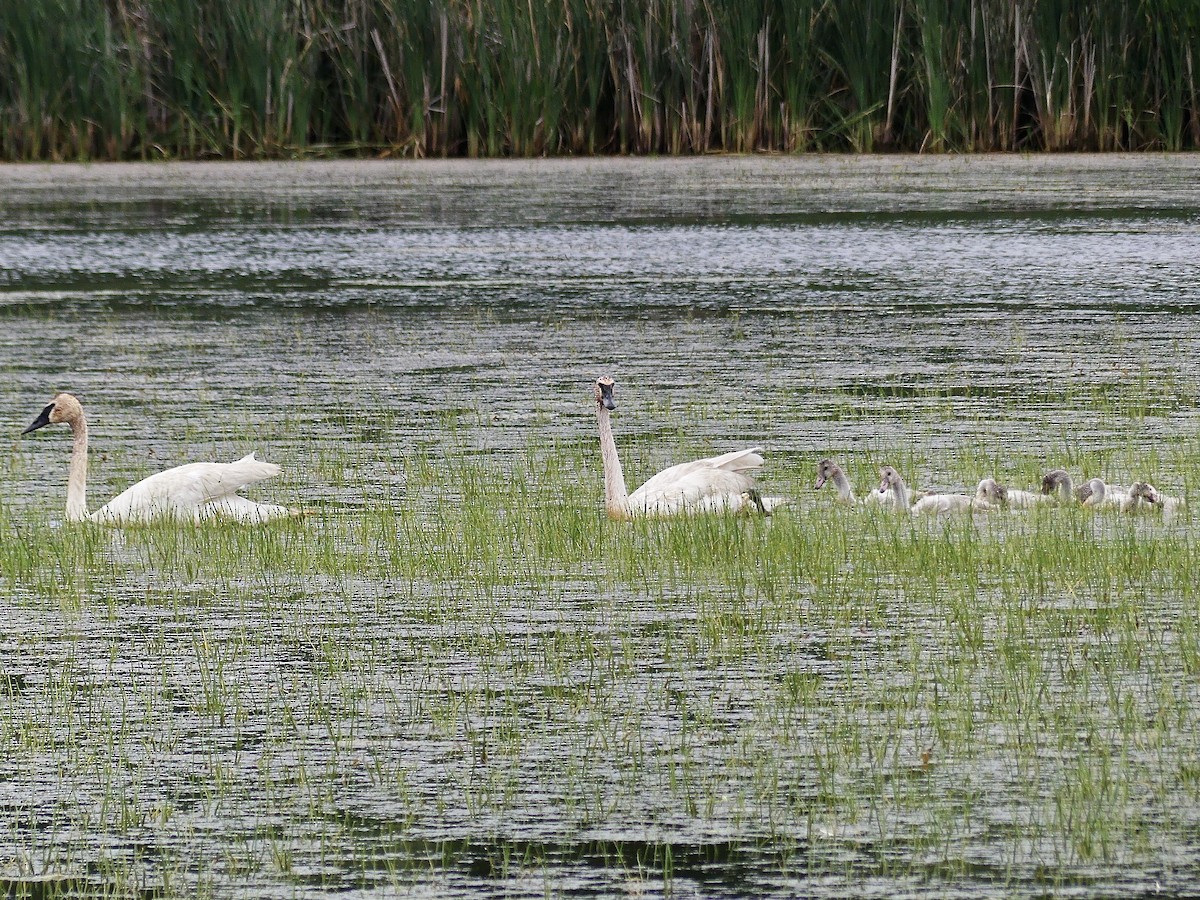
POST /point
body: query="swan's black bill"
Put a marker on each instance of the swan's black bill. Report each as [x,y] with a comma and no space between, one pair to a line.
[606,396]
[41,421]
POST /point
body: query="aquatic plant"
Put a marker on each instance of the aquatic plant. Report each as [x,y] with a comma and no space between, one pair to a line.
[516,78]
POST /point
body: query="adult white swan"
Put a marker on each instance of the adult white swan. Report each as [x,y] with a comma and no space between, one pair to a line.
[193,493]
[717,484]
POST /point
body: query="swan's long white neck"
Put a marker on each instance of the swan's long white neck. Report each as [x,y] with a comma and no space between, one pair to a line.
[77,480]
[616,497]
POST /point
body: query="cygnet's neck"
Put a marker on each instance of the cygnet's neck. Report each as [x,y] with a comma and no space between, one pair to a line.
[899,492]
[842,483]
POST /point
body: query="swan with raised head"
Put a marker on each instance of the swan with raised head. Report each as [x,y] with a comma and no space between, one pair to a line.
[894,490]
[195,492]
[828,470]
[993,492]
[898,497]
[716,484]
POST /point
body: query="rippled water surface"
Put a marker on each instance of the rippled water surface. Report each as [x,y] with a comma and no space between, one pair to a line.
[454,676]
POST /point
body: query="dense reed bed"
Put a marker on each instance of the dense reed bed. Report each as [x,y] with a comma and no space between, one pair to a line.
[129,79]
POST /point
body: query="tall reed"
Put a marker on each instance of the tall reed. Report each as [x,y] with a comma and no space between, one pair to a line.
[177,78]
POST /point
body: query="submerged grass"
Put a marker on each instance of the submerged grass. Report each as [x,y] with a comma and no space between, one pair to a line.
[511,77]
[479,675]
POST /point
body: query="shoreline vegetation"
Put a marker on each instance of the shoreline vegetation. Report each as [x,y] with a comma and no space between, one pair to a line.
[261,79]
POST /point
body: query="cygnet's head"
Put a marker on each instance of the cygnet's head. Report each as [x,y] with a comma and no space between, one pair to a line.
[888,478]
[604,392]
[1144,490]
[63,408]
[752,500]
[826,469]
[1056,482]
[992,491]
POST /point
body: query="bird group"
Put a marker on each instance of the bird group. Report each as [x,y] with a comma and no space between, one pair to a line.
[1057,488]
[724,483]
[200,492]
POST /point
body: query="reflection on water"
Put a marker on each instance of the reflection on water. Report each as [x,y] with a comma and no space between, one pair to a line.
[345,317]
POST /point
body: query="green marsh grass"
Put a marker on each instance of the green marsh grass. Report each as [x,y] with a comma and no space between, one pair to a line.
[481,666]
[248,79]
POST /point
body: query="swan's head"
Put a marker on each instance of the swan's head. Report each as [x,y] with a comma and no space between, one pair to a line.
[63,408]
[604,392]
[888,478]
[826,469]
[992,491]
[1056,482]
[1144,490]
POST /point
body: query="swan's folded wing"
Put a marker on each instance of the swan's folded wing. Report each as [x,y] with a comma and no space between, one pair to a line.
[194,484]
[692,486]
[728,463]
[211,481]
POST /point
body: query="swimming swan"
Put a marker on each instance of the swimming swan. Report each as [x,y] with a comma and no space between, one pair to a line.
[1096,494]
[991,491]
[1058,486]
[1170,506]
[717,484]
[828,470]
[192,493]
[898,497]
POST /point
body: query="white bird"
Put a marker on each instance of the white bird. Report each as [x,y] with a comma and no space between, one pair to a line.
[930,504]
[1170,506]
[991,491]
[828,470]
[1096,494]
[717,484]
[191,493]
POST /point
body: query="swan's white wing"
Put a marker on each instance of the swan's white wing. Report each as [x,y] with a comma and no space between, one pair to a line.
[729,463]
[691,487]
[181,491]
[198,483]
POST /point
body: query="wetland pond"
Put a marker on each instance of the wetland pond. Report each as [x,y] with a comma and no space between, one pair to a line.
[455,677]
